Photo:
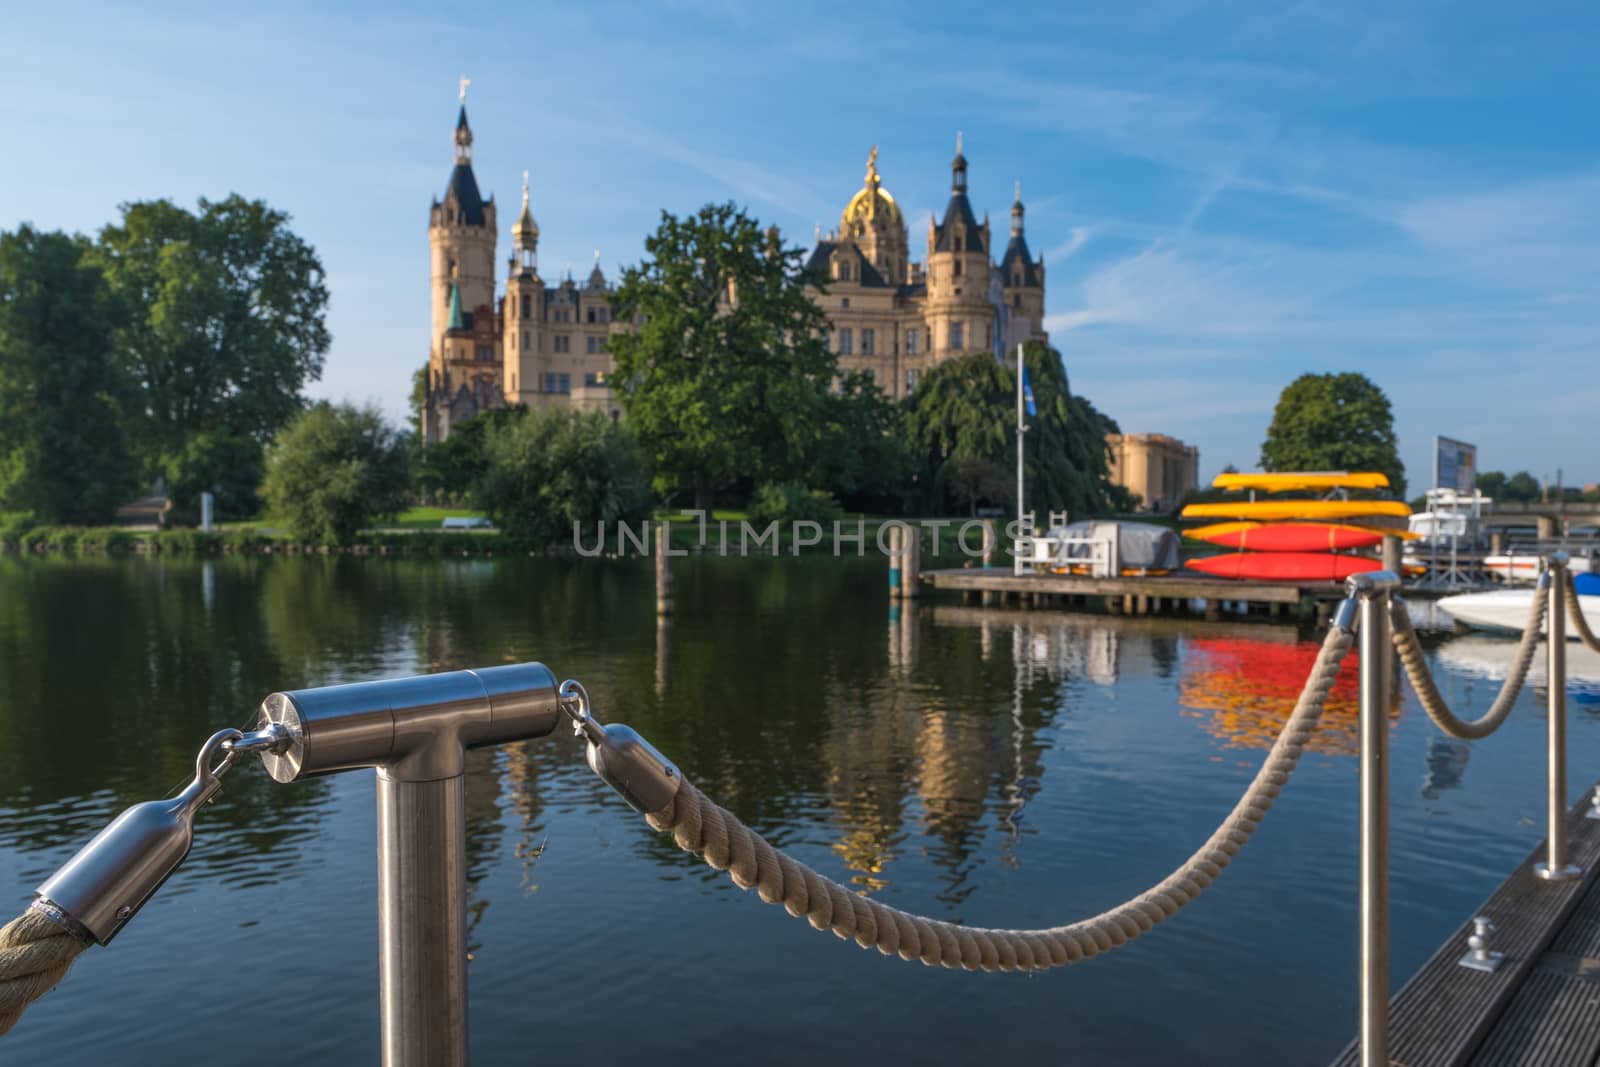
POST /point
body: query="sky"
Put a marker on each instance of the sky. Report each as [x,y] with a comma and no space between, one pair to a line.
[1225,195]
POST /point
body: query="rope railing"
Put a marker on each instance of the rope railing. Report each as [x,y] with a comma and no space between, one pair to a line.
[701,827]
[35,954]
[1580,624]
[1427,690]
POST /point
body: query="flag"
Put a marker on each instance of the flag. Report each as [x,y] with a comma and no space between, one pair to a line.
[1027,391]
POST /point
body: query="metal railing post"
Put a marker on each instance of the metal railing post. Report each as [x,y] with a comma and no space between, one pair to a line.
[415,732]
[1374,590]
[1556,868]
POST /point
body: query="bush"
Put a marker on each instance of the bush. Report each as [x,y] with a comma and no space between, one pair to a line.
[333,469]
[106,539]
[548,470]
[792,502]
[14,524]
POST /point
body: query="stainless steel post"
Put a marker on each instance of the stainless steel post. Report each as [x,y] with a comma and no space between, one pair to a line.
[1374,589]
[1556,868]
[422,921]
[415,731]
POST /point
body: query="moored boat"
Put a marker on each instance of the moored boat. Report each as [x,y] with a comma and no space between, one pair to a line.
[1506,610]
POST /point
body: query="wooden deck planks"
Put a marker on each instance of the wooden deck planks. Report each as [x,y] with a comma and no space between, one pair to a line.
[1447,1014]
[1171,586]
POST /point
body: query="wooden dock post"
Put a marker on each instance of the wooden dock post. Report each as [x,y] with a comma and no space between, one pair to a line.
[897,556]
[991,545]
[911,563]
[663,572]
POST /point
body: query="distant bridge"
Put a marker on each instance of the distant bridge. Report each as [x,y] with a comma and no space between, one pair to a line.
[1546,519]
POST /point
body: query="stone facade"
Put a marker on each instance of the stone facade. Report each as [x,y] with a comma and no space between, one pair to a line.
[544,345]
[1156,468]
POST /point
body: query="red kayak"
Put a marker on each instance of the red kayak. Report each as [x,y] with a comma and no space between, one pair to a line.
[1284,566]
[1294,537]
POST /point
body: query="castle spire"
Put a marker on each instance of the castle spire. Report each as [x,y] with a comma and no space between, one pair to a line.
[958,169]
[463,136]
[1016,213]
[525,235]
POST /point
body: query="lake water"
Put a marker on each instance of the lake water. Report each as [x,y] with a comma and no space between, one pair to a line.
[993,766]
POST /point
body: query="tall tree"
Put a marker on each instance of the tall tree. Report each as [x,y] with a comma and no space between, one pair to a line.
[964,412]
[548,470]
[222,325]
[62,450]
[726,379]
[333,469]
[1326,422]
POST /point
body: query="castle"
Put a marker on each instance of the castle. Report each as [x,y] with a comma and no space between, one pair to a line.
[542,345]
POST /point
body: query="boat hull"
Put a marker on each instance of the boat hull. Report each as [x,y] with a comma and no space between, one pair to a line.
[1284,566]
[1506,610]
[1527,567]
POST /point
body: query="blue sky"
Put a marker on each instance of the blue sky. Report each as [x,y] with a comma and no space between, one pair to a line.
[1226,195]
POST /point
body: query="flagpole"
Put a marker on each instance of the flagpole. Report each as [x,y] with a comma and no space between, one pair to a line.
[1021,429]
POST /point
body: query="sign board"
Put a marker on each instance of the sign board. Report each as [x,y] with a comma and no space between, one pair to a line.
[1455,465]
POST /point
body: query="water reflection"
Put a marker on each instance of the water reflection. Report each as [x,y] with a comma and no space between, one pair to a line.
[955,760]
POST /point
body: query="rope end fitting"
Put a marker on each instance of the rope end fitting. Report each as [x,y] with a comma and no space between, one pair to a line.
[1554,563]
[1359,587]
[625,761]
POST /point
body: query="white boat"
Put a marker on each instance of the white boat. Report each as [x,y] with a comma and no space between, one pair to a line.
[1526,568]
[1506,610]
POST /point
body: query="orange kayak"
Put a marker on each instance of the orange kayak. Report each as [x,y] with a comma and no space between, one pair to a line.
[1284,566]
[1288,537]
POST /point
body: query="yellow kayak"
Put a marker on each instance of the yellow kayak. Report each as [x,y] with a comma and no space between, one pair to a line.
[1217,532]
[1275,510]
[1297,481]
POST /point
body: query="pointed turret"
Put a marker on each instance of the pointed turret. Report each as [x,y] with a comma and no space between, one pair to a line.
[597,277]
[1017,268]
[456,321]
[960,231]
[525,236]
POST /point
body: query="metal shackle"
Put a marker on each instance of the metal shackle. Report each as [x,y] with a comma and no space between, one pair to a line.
[99,889]
[415,729]
[623,759]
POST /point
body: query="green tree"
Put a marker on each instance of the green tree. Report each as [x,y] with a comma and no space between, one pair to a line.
[446,472]
[726,379]
[333,469]
[1492,484]
[1523,487]
[862,455]
[965,410]
[1326,422]
[63,454]
[419,400]
[221,324]
[974,481]
[549,469]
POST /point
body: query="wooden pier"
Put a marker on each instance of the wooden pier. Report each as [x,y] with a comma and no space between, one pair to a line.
[1141,595]
[1541,1005]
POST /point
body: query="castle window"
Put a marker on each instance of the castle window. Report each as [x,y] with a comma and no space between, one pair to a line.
[911,380]
[1016,279]
[602,312]
[958,248]
[563,343]
[988,335]
[911,342]
[846,341]
[867,341]
[594,378]
[485,352]
[558,383]
[844,301]
[524,340]
[594,344]
[958,268]
[956,338]
[591,314]
[1016,301]
[527,307]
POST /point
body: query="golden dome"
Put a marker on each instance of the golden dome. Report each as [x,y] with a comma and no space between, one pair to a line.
[873,205]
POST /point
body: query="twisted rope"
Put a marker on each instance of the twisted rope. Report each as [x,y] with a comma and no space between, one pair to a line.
[1580,624]
[701,827]
[34,956]
[1410,650]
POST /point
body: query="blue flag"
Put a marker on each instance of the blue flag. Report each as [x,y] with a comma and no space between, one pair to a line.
[1027,391]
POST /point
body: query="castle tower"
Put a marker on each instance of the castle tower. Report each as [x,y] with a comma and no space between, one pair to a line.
[873,220]
[524,308]
[960,316]
[1021,285]
[463,373]
[461,234]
